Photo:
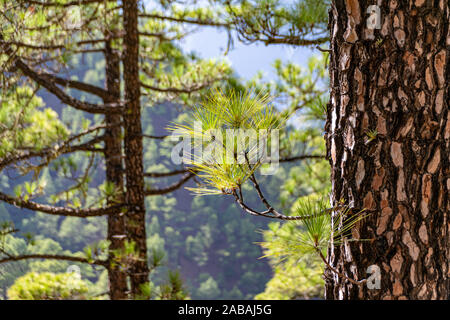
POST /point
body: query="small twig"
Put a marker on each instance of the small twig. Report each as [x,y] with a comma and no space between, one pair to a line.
[323,50]
[165,174]
[273,214]
[159,191]
[270,212]
[340,274]
[154,137]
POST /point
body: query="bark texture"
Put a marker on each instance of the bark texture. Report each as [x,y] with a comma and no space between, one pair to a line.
[114,174]
[133,146]
[393,80]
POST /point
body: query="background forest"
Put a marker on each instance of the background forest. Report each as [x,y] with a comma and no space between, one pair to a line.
[217,250]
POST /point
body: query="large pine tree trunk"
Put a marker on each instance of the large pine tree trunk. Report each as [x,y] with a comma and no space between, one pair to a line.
[134,147]
[393,80]
[114,174]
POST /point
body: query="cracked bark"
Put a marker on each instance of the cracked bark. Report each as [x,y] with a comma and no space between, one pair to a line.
[394,80]
[114,174]
[135,194]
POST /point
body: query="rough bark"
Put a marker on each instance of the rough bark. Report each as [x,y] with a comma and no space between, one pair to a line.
[114,174]
[133,146]
[393,80]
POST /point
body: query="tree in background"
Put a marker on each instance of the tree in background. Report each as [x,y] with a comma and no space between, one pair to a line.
[39,39]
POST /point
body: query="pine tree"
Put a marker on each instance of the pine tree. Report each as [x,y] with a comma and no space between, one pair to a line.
[39,39]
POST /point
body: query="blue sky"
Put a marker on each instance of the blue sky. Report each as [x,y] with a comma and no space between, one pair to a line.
[247,60]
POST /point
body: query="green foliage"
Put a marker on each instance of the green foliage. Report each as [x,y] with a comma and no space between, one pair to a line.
[316,232]
[224,167]
[276,21]
[49,286]
[294,279]
[25,123]
[209,288]
[371,135]
[174,288]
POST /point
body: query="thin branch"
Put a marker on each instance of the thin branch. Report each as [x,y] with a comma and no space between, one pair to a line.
[154,137]
[53,151]
[184,20]
[273,214]
[302,157]
[161,36]
[178,90]
[263,31]
[270,212]
[173,187]
[49,47]
[65,98]
[64,5]
[207,22]
[91,130]
[340,274]
[100,92]
[323,50]
[60,211]
[164,174]
[297,41]
[270,209]
[4,233]
[52,256]
[53,88]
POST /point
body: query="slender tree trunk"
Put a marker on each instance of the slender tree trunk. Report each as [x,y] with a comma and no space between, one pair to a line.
[114,174]
[134,147]
[393,80]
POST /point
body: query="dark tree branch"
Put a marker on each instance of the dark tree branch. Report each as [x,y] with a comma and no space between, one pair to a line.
[53,88]
[100,92]
[164,174]
[293,40]
[4,233]
[160,35]
[65,98]
[179,90]
[302,157]
[270,212]
[264,31]
[340,274]
[323,50]
[64,5]
[53,256]
[184,20]
[154,137]
[173,187]
[53,151]
[50,47]
[60,211]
